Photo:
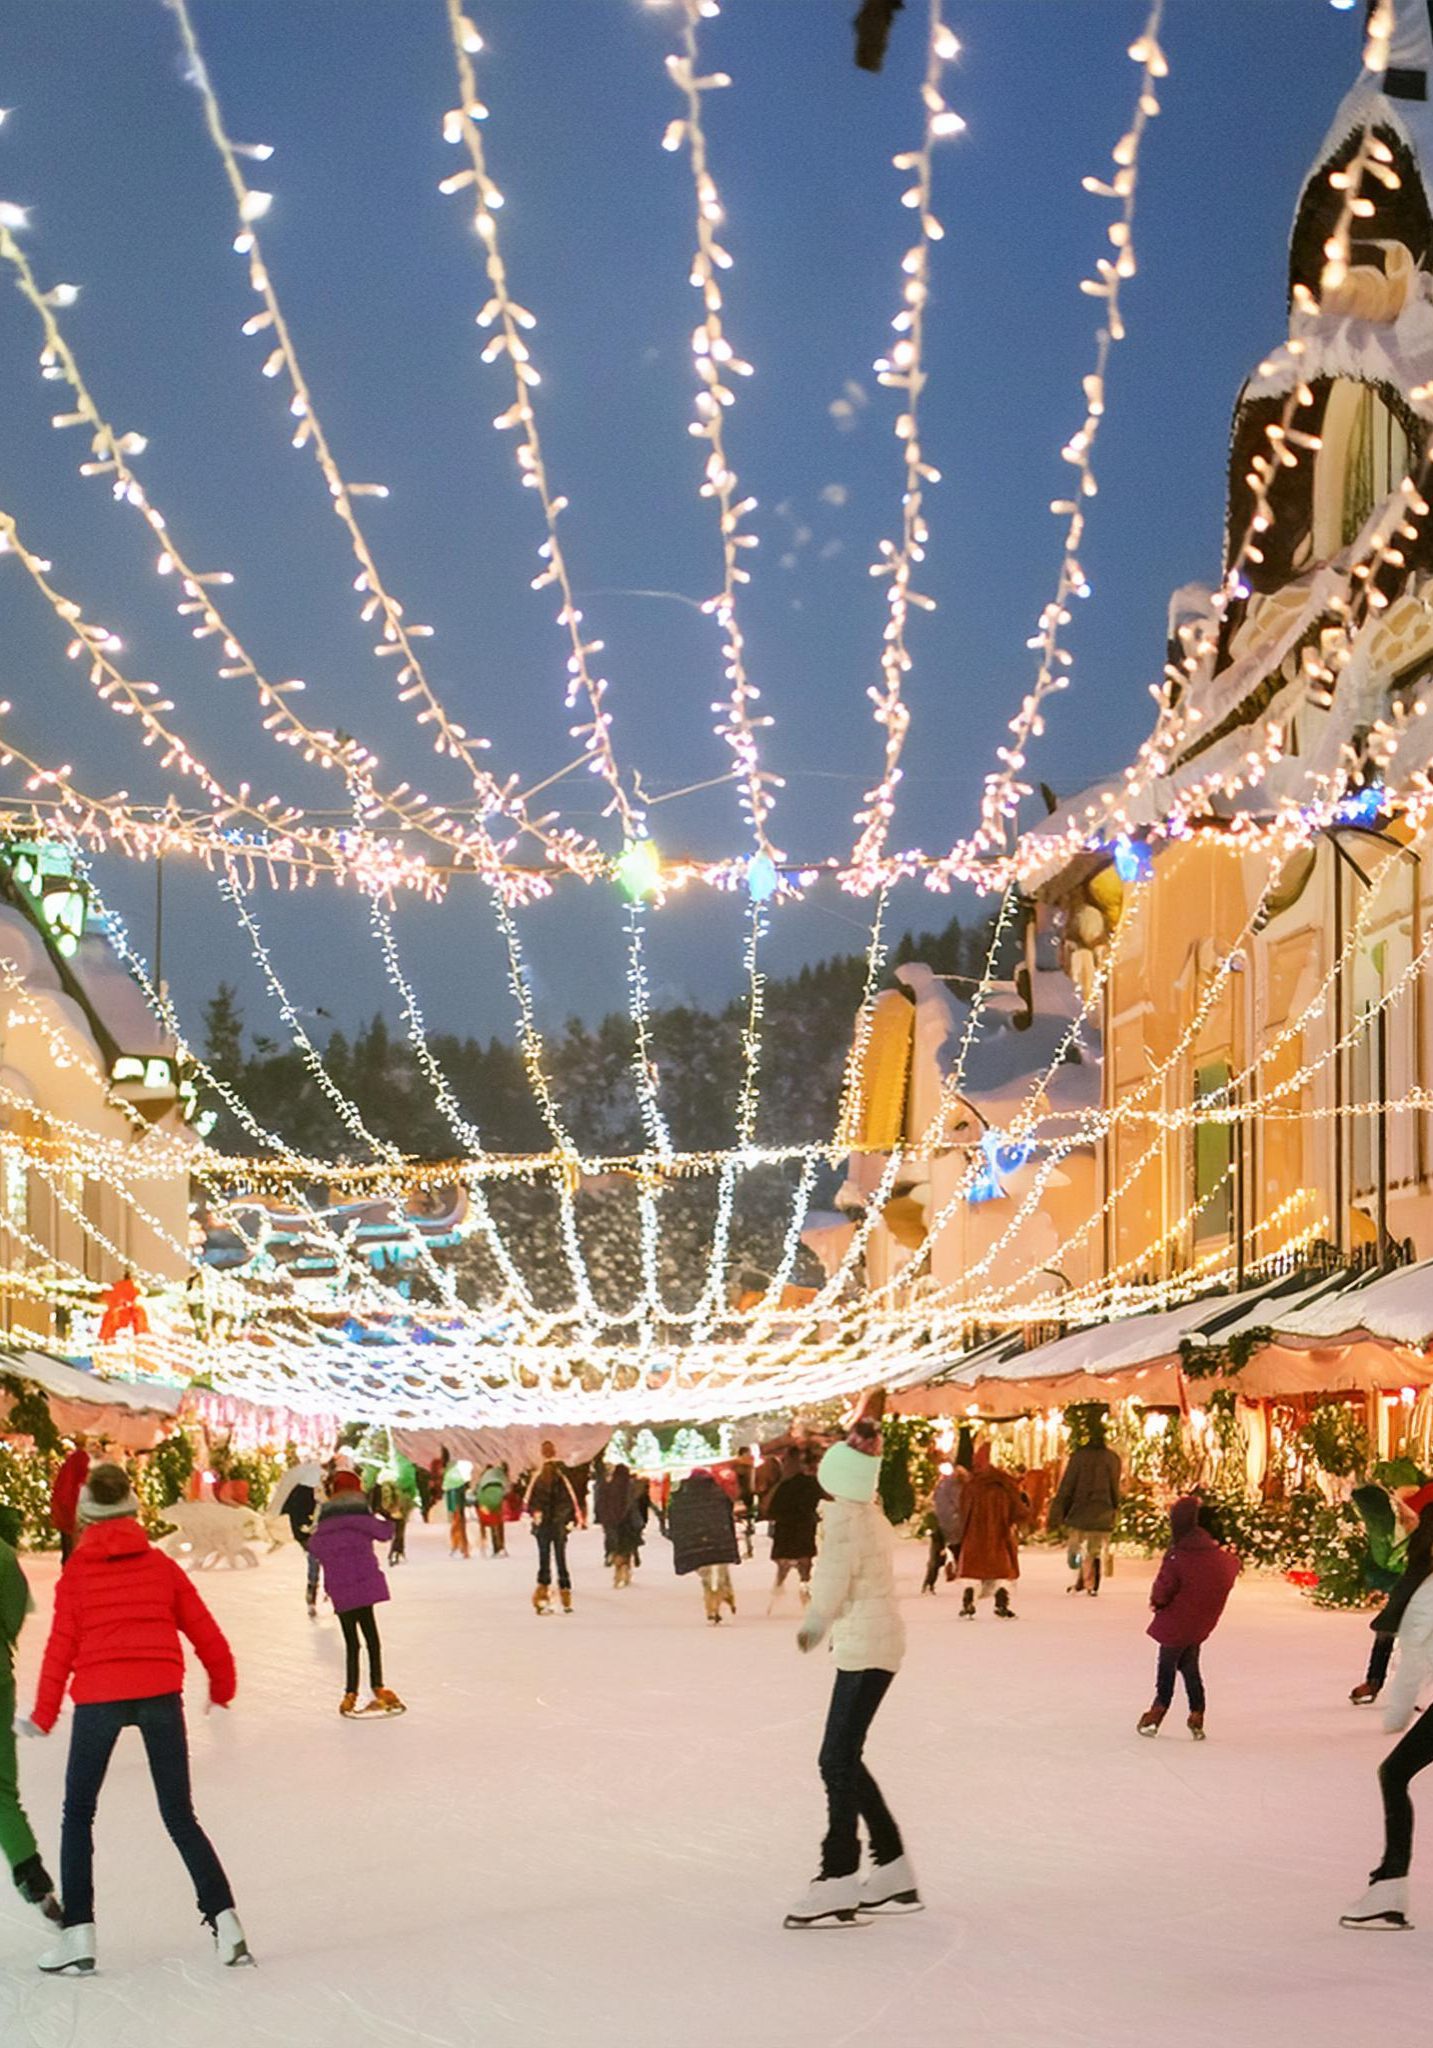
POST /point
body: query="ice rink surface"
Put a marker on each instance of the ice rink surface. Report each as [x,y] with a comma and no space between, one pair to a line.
[586,1829]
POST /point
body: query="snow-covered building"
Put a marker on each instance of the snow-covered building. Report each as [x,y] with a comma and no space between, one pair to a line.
[96,1113]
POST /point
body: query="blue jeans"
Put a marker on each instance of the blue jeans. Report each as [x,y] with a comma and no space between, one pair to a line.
[852,1794]
[161,1726]
[552,1543]
[1182,1658]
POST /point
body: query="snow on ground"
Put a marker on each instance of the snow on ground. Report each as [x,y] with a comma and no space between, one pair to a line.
[586,1829]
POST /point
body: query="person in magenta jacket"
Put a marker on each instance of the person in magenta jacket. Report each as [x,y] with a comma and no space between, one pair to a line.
[342,1541]
[1188,1597]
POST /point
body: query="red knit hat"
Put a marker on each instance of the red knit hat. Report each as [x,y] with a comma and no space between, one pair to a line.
[344,1482]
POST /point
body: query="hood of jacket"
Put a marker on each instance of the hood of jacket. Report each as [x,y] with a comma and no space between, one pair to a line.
[849,1474]
[344,1504]
[122,1537]
[1184,1518]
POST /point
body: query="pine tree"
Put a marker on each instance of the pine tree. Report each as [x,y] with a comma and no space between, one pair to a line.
[224,1034]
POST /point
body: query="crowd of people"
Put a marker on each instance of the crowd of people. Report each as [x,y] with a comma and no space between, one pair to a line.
[122,1606]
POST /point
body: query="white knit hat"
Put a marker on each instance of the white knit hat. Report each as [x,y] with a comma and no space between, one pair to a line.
[849,1474]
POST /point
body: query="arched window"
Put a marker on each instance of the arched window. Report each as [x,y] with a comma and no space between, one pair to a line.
[1364,456]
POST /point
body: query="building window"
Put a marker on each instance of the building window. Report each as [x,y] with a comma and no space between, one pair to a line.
[1213,1157]
[1364,456]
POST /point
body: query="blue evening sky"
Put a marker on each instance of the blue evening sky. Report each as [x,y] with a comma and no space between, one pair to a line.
[379,276]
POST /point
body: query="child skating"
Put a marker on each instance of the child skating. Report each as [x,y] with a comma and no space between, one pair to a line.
[343,1541]
[1188,1597]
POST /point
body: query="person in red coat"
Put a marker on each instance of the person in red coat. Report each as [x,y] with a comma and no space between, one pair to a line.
[1188,1597]
[120,1608]
[65,1496]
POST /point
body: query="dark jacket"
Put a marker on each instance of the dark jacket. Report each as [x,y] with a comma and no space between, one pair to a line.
[299,1508]
[1089,1492]
[550,1498]
[1193,1583]
[701,1525]
[794,1508]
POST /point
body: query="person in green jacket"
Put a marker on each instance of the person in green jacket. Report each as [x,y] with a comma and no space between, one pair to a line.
[17,1837]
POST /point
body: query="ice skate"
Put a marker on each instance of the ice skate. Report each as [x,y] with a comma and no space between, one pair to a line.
[565,1596]
[967,1604]
[541,1600]
[1097,1573]
[1364,1694]
[348,1705]
[1383,1909]
[1196,1726]
[1003,1610]
[730,1599]
[890,1888]
[229,1941]
[385,1701]
[829,1902]
[33,1883]
[1149,1720]
[72,1955]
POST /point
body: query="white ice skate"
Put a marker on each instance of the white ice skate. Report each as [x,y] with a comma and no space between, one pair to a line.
[1383,1909]
[72,1955]
[829,1902]
[890,1888]
[229,1940]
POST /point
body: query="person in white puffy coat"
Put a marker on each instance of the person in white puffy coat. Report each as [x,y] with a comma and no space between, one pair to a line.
[1384,1905]
[853,1601]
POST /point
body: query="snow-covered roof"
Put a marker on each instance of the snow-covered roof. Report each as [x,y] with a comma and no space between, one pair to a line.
[1397,1306]
[1390,98]
[1001,1061]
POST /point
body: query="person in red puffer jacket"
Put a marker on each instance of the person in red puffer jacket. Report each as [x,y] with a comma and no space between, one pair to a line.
[120,1607]
[1188,1596]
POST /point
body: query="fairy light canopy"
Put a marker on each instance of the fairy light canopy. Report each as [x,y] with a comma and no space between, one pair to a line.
[384,833]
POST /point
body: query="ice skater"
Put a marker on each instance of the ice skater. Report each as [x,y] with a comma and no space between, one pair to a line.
[794,1508]
[120,1608]
[455,1500]
[551,1500]
[1086,1505]
[853,1600]
[342,1540]
[701,1523]
[491,1495]
[65,1495]
[618,1508]
[947,1517]
[1384,1906]
[1188,1596]
[17,1837]
[995,1512]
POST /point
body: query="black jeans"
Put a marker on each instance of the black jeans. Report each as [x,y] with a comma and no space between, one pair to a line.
[1410,1755]
[1184,1659]
[552,1544]
[1379,1658]
[852,1794]
[938,1548]
[355,1619]
[161,1726]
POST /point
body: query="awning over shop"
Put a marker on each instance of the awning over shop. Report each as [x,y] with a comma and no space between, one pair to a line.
[1397,1307]
[132,1414]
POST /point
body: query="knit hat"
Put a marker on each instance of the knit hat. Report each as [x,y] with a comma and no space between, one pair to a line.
[344,1482]
[106,1496]
[849,1471]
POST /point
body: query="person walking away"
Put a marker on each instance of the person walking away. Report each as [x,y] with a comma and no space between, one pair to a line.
[65,1496]
[1384,1515]
[1408,1618]
[701,1524]
[120,1608]
[795,1507]
[618,1512]
[492,1493]
[296,1498]
[552,1502]
[1085,1506]
[17,1837]
[947,1514]
[455,1501]
[853,1601]
[995,1512]
[1188,1597]
[343,1540]
[386,1501]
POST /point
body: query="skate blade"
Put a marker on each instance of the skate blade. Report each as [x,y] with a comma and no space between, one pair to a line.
[1378,1923]
[899,1902]
[242,1961]
[80,1968]
[850,1916]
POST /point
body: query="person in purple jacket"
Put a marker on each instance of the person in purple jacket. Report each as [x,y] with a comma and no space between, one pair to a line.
[342,1541]
[1188,1597]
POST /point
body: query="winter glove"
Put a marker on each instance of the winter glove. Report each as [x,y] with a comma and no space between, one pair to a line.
[808,1635]
[25,1726]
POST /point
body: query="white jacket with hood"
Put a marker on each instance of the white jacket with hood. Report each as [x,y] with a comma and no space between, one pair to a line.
[853,1589]
[1414,1668]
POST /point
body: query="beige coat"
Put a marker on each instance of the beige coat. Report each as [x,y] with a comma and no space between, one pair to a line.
[853,1588]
